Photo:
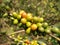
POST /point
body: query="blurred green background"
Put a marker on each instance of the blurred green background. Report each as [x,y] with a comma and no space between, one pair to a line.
[49,9]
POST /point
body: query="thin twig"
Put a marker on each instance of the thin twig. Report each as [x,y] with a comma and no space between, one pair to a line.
[17,32]
[9,36]
[55,37]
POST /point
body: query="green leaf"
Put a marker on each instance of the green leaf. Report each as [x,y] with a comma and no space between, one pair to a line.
[54,42]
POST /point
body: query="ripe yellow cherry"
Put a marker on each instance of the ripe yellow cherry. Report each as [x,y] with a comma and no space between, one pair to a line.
[23,20]
[28,24]
[23,14]
[33,27]
[18,16]
[28,30]
[29,16]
